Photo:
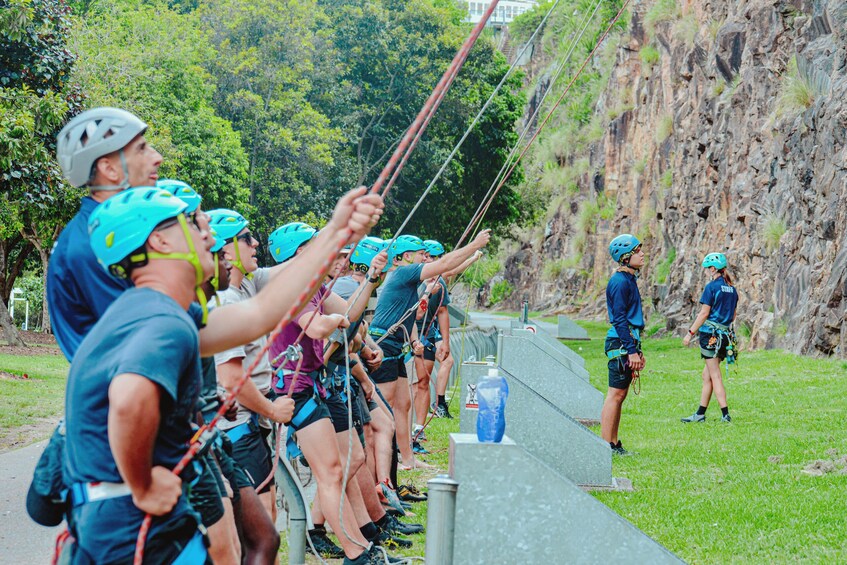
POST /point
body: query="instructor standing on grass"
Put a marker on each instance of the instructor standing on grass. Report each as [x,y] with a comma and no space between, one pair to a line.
[623,340]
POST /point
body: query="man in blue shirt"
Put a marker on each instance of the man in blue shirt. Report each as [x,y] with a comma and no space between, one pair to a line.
[129,412]
[394,320]
[105,150]
[623,340]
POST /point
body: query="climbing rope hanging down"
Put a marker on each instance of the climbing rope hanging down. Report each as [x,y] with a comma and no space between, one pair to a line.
[423,117]
[583,27]
[481,214]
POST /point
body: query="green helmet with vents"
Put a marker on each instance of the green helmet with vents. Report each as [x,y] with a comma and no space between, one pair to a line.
[286,240]
[434,248]
[403,244]
[716,260]
[182,191]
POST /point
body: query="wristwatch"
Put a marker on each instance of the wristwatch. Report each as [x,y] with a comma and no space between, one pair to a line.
[690,332]
[374,280]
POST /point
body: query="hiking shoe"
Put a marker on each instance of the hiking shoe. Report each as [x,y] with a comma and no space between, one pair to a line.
[693,418]
[372,556]
[323,545]
[618,449]
[388,541]
[409,493]
[395,527]
[726,418]
[391,496]
[391,511]
[441,411]
[418,448]
[419,434]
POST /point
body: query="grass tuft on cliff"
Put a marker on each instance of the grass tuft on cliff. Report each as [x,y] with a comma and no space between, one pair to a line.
[661,11]
[796,92]
[773,229]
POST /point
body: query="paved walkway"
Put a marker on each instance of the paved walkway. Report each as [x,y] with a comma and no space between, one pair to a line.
[22,541]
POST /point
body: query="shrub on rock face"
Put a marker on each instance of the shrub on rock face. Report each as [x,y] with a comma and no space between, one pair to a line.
[773,229]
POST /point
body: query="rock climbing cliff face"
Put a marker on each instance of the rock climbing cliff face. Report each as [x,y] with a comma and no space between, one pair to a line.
[730,137]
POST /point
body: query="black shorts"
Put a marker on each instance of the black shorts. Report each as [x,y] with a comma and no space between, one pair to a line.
[319,413]
[338,412]
[620,375]
[364,408]
[429,352]
[207,490]
[713,345]
[232,470]
[253,454]
[391,368]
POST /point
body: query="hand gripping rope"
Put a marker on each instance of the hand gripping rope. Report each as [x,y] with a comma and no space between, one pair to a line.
[405,145]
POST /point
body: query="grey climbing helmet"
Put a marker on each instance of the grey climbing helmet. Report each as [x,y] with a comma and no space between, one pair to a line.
[91,135]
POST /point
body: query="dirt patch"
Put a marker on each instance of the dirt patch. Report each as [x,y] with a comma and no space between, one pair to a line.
[821,467]
[37,344]
[21,436]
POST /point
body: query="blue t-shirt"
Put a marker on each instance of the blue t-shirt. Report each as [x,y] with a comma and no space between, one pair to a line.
[722,299]
[399,293]
[345,287]
[440,297]
[623,302]
[79,289]
[148,334]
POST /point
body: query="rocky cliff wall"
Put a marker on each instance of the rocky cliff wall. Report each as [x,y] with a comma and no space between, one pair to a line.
[732,139]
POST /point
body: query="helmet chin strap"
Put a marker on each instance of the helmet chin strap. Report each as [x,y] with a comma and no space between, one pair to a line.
[192,258]
[216,278]
[124,183]
[237,262]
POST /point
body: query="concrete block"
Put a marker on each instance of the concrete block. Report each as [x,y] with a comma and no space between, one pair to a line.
[512,508]
[544,431]
[568,329]
[550,378]
[457,316]
[556,349]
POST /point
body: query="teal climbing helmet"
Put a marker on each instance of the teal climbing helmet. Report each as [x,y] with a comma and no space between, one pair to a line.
[716,260]
[182,191]
[219,241]
[623,246]
[286,240]
[368,248]
[434,248]
[227,223]
[403,244]
[121,225]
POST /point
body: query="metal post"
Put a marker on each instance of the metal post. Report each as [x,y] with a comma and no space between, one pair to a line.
[441,519]
[525,317]
[297,511]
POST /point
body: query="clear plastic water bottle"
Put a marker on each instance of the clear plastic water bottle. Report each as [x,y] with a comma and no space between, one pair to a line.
[492,392]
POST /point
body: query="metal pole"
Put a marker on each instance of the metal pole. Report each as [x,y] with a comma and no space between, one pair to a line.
[525,318]
[297,513]
[441,520]
[26,317]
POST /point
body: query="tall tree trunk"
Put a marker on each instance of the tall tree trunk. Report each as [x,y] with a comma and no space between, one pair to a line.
[10,332]
[45,315]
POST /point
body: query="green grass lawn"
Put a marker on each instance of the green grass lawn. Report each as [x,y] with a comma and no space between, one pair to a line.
[28,402]
[722,493]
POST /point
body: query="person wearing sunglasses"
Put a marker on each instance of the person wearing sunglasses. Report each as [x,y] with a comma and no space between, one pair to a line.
[623,340]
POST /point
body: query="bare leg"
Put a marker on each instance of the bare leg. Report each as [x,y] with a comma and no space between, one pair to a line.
[423,368]
[714,367]
[382,426]
[610,416]
[402,404]
[443,376]
[315,440]
[357,460]
[258,533]
[224,547]
[706,393]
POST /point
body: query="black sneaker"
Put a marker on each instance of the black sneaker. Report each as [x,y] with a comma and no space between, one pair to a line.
[441,411]
[693,418]
[618,449]
[372,556]
[726,418]
[395,527]
[418,448]
[323,545]
[386,540]
[409,493]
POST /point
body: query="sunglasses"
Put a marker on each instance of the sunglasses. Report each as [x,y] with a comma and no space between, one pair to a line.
[246,237]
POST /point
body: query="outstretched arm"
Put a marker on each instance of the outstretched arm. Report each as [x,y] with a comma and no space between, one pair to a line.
[455,258]
[236,324]
[461,268]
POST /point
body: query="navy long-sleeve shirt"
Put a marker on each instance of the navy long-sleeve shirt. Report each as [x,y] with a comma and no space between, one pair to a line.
[624,304]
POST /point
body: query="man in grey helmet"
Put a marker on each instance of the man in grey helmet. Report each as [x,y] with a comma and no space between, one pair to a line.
[103,149]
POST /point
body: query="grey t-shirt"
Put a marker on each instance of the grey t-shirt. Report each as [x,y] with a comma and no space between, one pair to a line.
[262,374]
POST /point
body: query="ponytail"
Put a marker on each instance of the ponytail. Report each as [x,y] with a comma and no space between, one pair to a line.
[723,272]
